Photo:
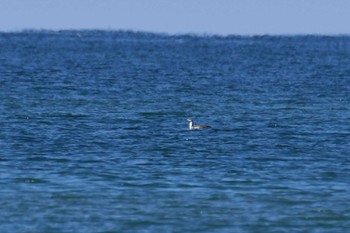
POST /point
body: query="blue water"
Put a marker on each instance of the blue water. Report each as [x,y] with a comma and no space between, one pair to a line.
[94,137]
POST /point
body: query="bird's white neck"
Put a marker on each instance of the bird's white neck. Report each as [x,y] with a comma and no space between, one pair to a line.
[190,124]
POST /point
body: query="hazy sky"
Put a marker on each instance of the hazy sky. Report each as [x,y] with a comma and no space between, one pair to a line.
[180,16]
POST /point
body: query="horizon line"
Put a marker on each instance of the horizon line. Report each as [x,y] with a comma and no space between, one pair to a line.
[198,34]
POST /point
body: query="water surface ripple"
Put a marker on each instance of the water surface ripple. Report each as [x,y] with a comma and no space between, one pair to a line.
[94,134]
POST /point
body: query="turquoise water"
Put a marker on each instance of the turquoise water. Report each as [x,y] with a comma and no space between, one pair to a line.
[94,136]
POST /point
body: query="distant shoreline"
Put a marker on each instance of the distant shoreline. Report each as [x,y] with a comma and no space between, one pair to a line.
[164,34]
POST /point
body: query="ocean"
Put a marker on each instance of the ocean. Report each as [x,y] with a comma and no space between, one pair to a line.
[94,134]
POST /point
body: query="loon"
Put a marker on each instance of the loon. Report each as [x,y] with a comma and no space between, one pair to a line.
[192,126]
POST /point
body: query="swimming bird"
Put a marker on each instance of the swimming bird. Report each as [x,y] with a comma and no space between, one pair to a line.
[192,126]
